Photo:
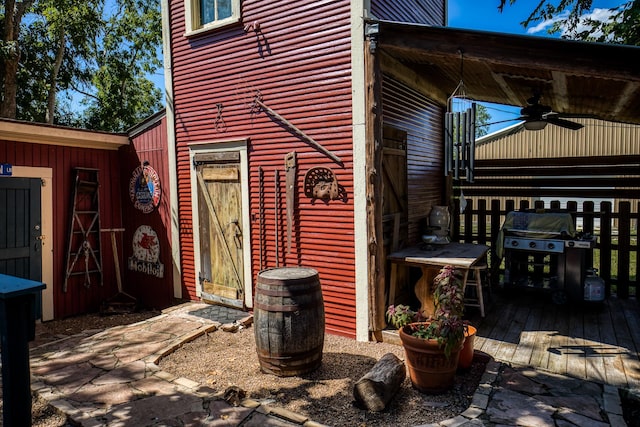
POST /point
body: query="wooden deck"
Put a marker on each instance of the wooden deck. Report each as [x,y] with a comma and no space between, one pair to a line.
[597,343]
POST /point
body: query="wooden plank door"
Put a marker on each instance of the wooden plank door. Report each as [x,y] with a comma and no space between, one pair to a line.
[395,209]
[220,218]
[20,229]
[394,165]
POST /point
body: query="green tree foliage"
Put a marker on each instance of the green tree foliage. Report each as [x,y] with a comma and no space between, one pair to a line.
[571,19]
[11,15]
[482,120]
[86,63]
[126,52]
[483,117]
[54,54]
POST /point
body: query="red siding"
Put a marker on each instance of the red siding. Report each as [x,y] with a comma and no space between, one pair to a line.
[300,63]
[408,110]
[428,12]
[149,145]
[78,298]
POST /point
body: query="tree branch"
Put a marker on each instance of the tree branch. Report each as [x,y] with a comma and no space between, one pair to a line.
[82,92]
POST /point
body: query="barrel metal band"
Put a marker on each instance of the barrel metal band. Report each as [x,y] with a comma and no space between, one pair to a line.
[283,292]
[282,308]
[296,356]
[297,281]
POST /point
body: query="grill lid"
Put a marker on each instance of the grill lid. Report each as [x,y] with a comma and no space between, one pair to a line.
[547,224]
[535,225]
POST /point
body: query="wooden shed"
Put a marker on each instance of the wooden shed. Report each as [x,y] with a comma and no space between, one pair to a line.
[36,199]
[67,218]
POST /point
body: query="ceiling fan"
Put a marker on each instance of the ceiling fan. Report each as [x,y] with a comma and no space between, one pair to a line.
[536,116]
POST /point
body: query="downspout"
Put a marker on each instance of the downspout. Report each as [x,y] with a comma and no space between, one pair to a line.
[171,147]
[445,18]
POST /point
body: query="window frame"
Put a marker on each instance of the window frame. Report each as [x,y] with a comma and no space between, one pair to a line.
[192,17]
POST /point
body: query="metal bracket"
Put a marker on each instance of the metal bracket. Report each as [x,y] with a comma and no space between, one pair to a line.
[372,32]
[372,29]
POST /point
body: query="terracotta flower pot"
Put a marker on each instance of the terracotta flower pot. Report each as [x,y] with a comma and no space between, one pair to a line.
[466,354]
[430,370]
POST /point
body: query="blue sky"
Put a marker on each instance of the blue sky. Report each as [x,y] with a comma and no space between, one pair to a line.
[484,15]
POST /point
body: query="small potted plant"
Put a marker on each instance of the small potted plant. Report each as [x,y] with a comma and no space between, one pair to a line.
[432,345]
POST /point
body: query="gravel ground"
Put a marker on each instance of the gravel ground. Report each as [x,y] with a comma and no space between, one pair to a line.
[224,359]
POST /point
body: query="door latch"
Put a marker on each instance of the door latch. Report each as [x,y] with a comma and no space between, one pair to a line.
[39,239]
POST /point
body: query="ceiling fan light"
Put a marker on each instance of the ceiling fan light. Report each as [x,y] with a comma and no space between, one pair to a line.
[535,124]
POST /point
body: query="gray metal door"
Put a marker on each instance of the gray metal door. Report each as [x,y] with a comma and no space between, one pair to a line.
[20,228]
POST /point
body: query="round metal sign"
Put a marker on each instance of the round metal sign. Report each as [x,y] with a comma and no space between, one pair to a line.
[144,188]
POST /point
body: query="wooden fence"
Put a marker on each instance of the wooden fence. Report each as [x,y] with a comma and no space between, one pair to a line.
[616,252]
[502,186]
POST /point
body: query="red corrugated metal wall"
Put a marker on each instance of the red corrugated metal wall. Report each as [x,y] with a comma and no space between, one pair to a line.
[408,110]
[299,61]
[77,299]
[149,145]
[428,12]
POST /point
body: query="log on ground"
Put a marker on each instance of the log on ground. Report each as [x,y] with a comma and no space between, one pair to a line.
[378,386]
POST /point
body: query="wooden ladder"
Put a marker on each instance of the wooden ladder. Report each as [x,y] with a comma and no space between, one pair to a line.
[84,251]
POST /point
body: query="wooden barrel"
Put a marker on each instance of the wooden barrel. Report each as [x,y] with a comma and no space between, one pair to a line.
[288,318]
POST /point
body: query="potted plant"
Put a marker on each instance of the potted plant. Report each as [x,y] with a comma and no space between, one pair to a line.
[432,345]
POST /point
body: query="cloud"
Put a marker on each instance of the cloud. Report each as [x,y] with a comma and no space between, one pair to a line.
[600,15]
[542,26]
[545,25]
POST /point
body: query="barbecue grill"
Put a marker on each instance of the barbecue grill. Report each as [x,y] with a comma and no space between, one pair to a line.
[542,250]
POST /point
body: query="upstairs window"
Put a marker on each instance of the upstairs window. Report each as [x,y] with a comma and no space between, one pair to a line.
[203,15]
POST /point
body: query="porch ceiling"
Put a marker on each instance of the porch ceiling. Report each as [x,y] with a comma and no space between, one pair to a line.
[574,78]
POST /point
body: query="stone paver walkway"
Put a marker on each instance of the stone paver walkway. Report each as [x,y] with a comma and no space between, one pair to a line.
[530,397]
[111,378]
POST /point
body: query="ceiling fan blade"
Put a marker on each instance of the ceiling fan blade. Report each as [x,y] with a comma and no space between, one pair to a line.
[564,123]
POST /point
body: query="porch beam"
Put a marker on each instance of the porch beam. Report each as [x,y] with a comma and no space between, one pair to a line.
[560,161]
[552,181]
[408,76]
[592,170]
[511,50]
[586,193]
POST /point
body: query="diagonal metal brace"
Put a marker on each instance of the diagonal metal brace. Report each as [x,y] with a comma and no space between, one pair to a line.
[297,131]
